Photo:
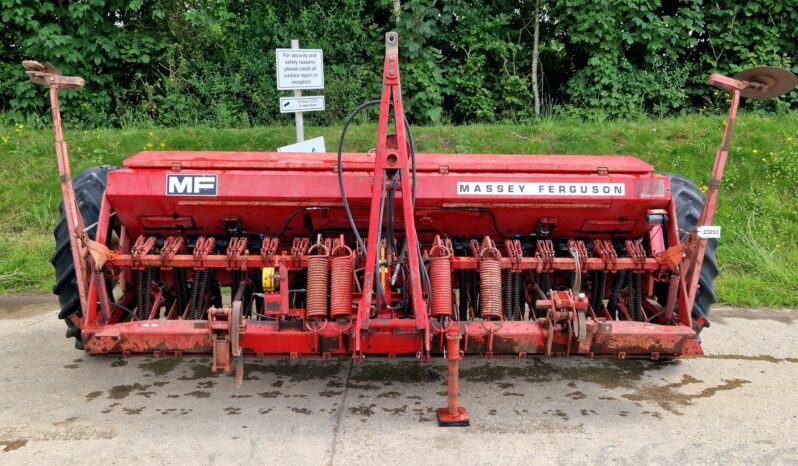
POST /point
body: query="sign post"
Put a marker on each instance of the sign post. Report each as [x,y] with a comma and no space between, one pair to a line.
[299,69]
[298,116]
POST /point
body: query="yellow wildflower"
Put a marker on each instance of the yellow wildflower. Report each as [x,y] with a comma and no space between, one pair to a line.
[162,145]
[150,134]
[755,151]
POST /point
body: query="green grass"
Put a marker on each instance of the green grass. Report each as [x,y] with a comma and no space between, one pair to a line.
[758,208]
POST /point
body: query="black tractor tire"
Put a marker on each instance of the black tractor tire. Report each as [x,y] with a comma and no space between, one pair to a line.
[689,201]
[89,188]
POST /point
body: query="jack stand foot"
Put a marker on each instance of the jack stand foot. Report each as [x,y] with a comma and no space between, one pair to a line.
[446,419]
[453,415]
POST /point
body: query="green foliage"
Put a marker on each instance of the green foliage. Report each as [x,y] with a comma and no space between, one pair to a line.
[211,62]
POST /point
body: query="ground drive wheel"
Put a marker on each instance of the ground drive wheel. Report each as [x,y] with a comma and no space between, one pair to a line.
[89,187]
[689,201]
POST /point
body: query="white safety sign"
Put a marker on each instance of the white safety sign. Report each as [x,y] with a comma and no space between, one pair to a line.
[300,69]
[311,103]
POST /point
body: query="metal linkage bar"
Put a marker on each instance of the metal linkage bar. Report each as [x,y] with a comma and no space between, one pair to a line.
[459,262]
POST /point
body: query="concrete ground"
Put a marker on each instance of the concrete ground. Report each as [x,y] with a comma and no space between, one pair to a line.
[60,406]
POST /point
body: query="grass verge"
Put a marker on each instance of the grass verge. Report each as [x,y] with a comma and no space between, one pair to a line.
[758,208]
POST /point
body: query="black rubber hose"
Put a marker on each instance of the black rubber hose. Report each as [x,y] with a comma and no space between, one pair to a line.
[380,294]
[235,282]
[181,289]
[344,199]
[615,293]
[597,290]
[389,222]
[128,311]
[215,289]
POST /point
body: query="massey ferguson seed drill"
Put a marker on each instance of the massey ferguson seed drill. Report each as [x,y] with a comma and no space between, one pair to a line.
[387,253]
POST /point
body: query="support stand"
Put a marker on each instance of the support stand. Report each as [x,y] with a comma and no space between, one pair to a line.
[453,415]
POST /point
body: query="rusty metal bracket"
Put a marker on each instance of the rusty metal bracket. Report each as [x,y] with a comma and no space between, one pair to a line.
[142,246]
[545,255]
[170,248]
[269,248]
[638,253]
[237,253]
[605,251]
[201,250]
[565,312]
[515,252]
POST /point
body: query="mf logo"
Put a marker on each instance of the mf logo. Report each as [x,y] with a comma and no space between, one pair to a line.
[191,185]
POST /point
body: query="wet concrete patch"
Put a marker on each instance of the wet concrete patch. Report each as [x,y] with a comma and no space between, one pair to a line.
[400,372]
[396,411]
[123,391]
[198,394]
[299,372]
[92,395]
[366,411]
[161,366]
[607,374]
[669,398]
[198,371]
[745,357]
[11,445]
[297,410]
[66,421]
[577,395]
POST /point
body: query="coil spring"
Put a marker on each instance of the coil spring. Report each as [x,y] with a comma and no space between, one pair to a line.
[440,275]
[490,295]
[341,286]
[144,302]
[637,297]
[517,290]
[140,312]
[507,294]
[198,289]
[318,284]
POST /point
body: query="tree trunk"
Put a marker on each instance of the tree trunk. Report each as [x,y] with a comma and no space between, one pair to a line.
[397,8]
[535,58]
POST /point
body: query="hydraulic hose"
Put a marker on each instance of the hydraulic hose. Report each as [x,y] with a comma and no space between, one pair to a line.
[345,200]
[615,294]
